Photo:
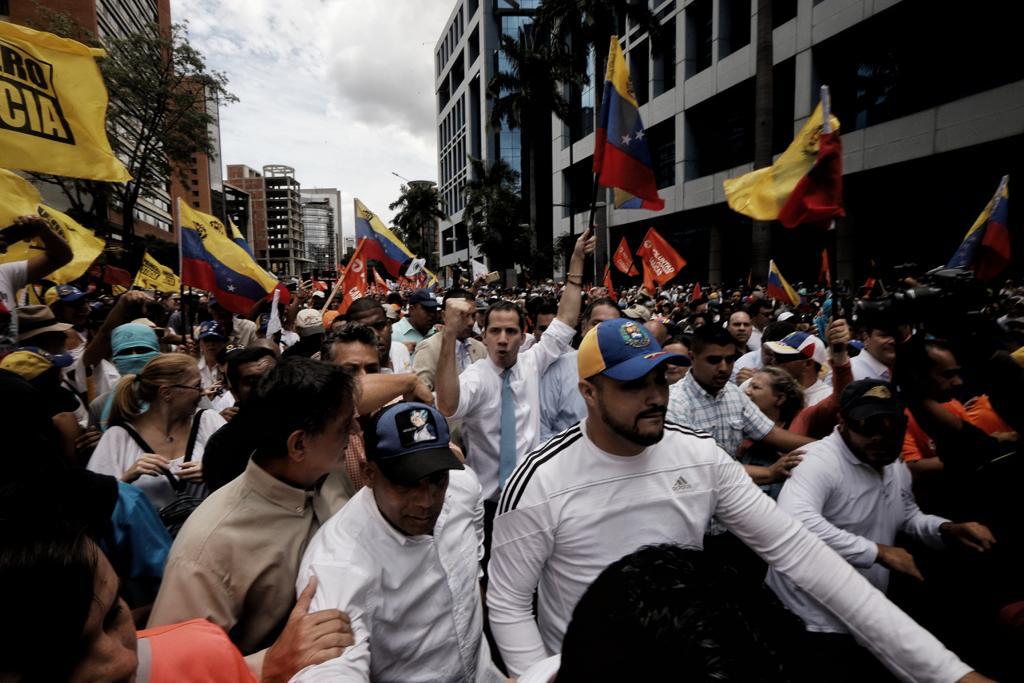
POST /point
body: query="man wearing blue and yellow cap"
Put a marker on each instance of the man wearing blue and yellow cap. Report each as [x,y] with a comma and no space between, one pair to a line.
[624,478]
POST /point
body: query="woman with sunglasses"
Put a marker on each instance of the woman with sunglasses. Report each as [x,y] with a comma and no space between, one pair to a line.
[156,429]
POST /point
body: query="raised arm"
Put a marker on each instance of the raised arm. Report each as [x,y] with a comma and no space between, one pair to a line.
[457,314]
[56,251]
[569,304]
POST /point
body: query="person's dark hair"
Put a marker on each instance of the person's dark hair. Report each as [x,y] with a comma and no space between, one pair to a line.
[684,339]
[498,306]
[299,393]
[350,333]
[238,357]
[546,307]
[361,306]
[777,331]
[599,301]
[710,335]
[668,613]
[394,298]
[47,577]
[756,305]
[458,293]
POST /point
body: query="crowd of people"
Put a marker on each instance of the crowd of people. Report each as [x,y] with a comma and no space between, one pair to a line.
[543,483]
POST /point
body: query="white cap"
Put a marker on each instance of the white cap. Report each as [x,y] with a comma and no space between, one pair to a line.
[308,322]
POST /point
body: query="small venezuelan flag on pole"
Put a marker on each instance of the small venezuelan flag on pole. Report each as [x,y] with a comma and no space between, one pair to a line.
[622,159]
[778,288]
[986,247]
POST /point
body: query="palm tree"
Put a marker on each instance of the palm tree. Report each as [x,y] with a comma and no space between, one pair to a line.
[761,237]
[579,28]
[420,207]
[525,93]
[494,212]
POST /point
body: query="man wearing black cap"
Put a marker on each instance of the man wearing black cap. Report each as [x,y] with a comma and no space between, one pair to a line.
[854,493]
[624,478]
[402,560]
[419,324]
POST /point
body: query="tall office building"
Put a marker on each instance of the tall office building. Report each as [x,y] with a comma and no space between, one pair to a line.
[104,19]
[321,222]
[202,187]
[465,58]
[931,105]
[278,239]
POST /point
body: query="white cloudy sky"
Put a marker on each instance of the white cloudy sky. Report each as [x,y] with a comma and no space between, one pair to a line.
[342,90]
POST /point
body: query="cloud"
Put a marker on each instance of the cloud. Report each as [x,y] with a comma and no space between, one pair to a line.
[341,90]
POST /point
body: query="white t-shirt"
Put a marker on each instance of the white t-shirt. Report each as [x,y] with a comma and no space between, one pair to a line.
[570,509]
[401,362]
[13,276]
[117,451]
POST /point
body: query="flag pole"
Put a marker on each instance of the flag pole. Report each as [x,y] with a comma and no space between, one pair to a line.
[184,303]
[590,224]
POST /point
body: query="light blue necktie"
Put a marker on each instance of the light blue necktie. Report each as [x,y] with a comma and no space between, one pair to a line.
[507,442]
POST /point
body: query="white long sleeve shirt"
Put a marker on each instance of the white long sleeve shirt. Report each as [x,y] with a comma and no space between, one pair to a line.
[866,366]
[414,601]
[480,404]
[570,509]
[852,507]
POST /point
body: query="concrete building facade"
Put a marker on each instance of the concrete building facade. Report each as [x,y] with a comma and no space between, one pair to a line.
[278,239]
[931,106]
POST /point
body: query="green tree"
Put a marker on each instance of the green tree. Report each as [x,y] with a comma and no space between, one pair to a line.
[526,92]
[419,206]
[162,106]
[494,212]
[581,28]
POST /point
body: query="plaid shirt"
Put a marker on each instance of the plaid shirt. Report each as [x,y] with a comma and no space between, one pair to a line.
[729,416]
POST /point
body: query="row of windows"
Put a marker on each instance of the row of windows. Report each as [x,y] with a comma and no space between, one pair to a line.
[449,43]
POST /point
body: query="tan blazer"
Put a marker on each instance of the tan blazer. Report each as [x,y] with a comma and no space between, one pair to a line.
[424,363]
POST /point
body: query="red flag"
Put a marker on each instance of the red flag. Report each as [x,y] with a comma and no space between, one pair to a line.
[825,275]
[696,293]
[608,282]
[650,285]
[353,282]
[378,281]
[659,258]
[623,260]
[818,196]
[117,276]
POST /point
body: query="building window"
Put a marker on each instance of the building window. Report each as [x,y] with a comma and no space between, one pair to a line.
[720,131]
[734,26]
[195,193]
[698,37]
[638,72]
[663,77]
[782,11]
[661,142]
[474,45]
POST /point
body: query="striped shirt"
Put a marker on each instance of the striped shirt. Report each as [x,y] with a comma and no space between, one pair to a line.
[570,509]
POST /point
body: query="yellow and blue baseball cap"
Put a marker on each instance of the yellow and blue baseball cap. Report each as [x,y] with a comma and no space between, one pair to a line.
[64,293]
[622,350]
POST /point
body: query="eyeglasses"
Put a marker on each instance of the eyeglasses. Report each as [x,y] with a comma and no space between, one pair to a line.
[196,387]
[877,426]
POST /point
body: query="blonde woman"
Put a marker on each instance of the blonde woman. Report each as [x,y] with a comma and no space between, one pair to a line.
[155,428]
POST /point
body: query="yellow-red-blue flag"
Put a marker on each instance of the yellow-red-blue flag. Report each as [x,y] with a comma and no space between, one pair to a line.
[621,158]
[986,247]
[53,107]
[212,260]
[778,288]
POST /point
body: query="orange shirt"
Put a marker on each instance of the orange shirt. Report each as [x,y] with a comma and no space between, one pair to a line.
[917,444]
[981,415]
[194,651]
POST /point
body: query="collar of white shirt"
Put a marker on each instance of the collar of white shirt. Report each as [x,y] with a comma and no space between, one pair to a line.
[877,367]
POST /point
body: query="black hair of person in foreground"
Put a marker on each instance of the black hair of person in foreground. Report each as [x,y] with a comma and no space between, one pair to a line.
[669,613]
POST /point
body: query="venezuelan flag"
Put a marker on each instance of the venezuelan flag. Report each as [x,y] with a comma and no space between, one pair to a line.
[621,158]
[778,288]
[212,260]
[986,247]
[239,239]
[804,185]
[382,245]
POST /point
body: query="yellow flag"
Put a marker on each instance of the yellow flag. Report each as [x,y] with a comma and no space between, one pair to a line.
[155,275]
[761,194]
[53,107]
[19,198]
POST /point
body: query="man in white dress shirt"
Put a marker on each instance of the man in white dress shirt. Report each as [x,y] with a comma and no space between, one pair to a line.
[879,355]
[403,560]
[855,495]
[622,479]
[504,389]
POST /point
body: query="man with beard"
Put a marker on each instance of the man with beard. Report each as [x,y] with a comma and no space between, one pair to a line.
[854,495]
[624,478]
